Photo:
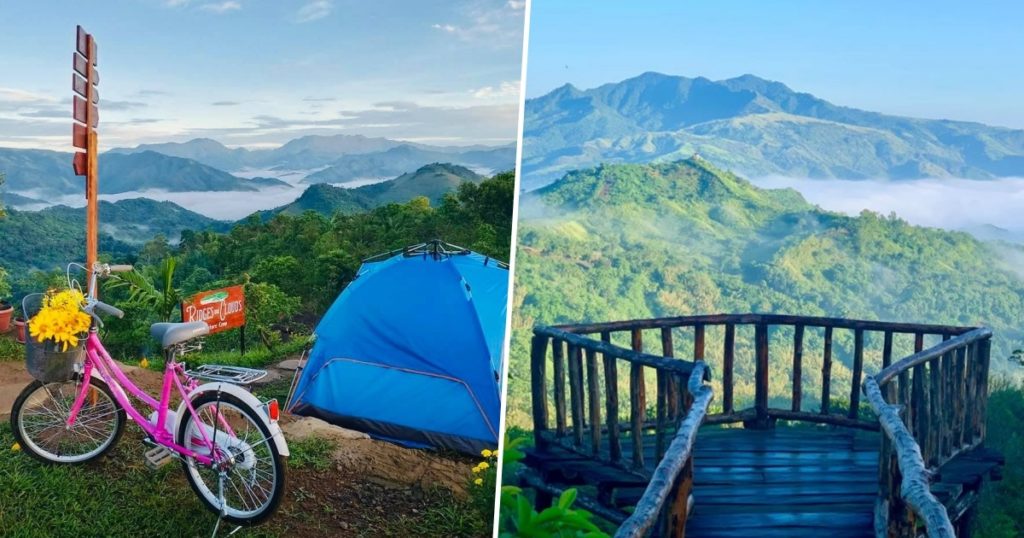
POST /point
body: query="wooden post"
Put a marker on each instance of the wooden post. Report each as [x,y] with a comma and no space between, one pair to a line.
[637,402]
[538,387]
[611,402]
[557,351]
[84,79]
[826,372]
[672,395]
[858,371]
[594,399]
[576,394]
[728,356]
[798,356]
[761,377]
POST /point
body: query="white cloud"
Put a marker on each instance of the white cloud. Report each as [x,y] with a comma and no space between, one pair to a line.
[22,96]
[507,89]
[313,11]
[517,4]
[445,27]
[221,7]
[176,3]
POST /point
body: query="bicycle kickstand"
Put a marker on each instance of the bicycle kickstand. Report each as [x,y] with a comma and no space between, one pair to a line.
[223,507]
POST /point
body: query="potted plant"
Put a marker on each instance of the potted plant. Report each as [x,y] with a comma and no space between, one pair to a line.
[6,310]
[19,328]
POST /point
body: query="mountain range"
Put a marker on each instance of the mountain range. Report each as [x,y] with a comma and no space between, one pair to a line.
[206,165]
[355,156]
[754,126]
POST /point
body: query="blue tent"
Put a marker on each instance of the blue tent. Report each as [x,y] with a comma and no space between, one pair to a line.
[412,350]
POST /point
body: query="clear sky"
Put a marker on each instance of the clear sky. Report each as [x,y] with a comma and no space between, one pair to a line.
[936,59]
[258,73]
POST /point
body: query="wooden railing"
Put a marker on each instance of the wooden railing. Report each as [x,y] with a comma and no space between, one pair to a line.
[666,501]
[576,368]
[941,393]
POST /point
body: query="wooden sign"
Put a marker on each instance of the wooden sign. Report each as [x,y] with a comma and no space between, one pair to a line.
[221,309]
[85,112]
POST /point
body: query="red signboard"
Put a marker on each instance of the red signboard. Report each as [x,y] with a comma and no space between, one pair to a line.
[221,309]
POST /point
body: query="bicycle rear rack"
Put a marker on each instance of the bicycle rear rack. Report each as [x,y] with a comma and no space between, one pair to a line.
[237,375]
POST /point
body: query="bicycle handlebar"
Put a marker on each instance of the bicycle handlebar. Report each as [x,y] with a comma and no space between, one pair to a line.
[108,310]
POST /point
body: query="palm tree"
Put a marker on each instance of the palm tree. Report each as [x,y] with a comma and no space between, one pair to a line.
[152,288]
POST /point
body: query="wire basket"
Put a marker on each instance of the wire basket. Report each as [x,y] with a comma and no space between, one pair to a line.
[45,361]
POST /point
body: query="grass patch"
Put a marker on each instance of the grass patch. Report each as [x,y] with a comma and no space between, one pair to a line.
[10,349]
[446,516]
[117,494]
[311,452]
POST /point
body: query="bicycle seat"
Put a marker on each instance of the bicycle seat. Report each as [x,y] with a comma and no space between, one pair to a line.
[175,333]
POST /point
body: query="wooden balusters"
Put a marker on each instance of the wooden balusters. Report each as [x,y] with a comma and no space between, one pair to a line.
[611,402]
[798,357]
[637,402]
[673,395]
[858,370]
[826,372]
[558,360]
[762,420]
[538,386]
[728,357]
[594,399]
[576,394]
[936,425]
[887,349]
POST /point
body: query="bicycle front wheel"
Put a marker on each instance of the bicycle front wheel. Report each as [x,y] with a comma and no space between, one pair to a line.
[40,414]
[248,472]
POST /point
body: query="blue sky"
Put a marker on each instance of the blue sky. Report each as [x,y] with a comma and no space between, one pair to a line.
[938,59]
[258,73]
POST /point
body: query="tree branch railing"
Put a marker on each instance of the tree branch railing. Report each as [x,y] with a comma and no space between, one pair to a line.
[931,407]
[666,501]
[590,395]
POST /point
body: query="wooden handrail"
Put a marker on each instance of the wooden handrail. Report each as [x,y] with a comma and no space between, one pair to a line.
[767,319]
[936,426]
[667,495]
[915,485]
[607,348]
[893,370]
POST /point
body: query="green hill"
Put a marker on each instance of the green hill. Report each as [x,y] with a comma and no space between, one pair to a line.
[754,126]
[432,181]
[631,241]
[47,240]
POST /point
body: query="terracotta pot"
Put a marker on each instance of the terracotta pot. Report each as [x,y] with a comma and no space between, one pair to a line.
[6,310]
[19,329]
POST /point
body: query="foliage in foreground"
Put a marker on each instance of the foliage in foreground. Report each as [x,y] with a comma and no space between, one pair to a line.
[519,518]
[1001,511]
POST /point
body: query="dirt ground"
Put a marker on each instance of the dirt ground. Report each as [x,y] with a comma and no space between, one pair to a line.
[373,483]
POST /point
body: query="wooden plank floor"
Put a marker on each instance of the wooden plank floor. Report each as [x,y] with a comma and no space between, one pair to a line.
[791,481]
[784,482]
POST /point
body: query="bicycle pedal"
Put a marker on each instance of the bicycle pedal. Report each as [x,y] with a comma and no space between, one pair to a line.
[158,456]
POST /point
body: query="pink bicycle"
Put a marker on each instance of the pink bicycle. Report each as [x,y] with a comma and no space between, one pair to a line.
[228,441]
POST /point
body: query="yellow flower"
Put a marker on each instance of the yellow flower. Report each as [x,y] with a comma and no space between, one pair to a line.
[479,481]
[144,363]
[476,469]
[15,447]
[484,465]
[61,319]
[485,453]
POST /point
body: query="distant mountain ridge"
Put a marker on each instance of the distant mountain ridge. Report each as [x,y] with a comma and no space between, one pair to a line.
[206,165]
[315,151]
[48,173]
[432,181]
[754,126]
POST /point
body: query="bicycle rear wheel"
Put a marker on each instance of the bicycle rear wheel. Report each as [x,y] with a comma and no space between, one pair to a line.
[39,419]
[249,463]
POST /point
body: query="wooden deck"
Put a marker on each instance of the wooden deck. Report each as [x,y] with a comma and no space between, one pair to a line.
[788,481]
